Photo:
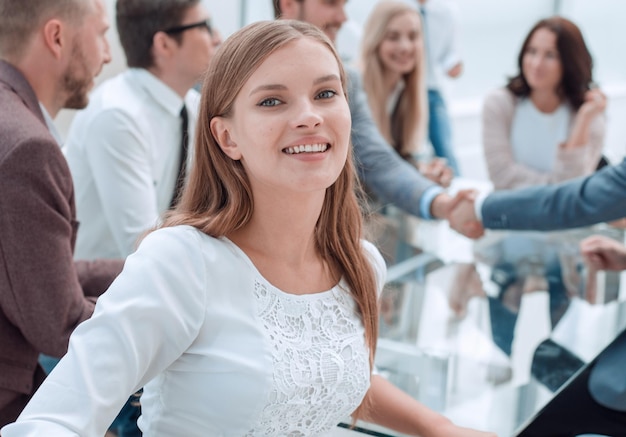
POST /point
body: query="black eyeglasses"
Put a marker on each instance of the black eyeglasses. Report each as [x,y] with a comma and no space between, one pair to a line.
[178,29]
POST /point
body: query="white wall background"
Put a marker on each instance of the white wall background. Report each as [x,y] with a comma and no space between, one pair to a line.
[491,35]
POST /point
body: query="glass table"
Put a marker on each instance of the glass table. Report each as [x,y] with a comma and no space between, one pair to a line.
[486,332]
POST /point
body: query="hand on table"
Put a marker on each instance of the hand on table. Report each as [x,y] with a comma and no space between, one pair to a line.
[437,171]
[603,253]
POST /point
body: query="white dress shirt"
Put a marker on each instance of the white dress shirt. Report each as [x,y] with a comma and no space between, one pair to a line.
[51,126]
[124,154]
[441,40]
[218,349]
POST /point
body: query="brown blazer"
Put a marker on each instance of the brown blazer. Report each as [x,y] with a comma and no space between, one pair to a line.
[44,294]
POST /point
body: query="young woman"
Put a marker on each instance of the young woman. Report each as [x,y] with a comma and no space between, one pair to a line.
[546,125]
[252,311]
[393,63]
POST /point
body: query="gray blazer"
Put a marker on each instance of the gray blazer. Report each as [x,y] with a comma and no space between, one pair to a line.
[383,172]
[579,202]
[44,294]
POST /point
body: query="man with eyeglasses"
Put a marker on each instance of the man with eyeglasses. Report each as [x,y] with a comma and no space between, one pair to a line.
[127,149]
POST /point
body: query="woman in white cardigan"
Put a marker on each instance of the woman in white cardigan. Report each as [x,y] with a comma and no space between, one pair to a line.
[547,124]
[253,310]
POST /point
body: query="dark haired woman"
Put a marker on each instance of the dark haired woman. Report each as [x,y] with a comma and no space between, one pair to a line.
[547,124]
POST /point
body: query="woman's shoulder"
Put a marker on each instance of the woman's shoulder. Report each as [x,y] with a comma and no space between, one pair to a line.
[183,238]
[500,100]
[370,248]
[170,247]
[178,232]
[502,95]
[377,260]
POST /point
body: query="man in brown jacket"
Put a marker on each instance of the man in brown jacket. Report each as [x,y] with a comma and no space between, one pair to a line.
[50,52]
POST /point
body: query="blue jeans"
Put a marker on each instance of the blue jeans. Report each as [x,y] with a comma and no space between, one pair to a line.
[48,363]
[439,130]
[125,424]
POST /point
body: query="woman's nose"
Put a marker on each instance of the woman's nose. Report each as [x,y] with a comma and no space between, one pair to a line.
[308,115]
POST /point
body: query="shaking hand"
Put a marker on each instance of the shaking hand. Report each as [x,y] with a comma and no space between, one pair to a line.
[462,217]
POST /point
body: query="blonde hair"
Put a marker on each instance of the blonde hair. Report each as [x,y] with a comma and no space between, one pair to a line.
[217,198]
[413,101]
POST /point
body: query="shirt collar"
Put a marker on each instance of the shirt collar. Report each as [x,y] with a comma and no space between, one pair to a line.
[51,126]
[160,92]
[392,101]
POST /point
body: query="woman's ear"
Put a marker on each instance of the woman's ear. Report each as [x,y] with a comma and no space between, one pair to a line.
[221,132]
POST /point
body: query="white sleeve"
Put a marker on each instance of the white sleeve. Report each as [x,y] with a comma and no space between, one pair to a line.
[380,271]
[451,55]
[141,325]
[378,264]
[119,157]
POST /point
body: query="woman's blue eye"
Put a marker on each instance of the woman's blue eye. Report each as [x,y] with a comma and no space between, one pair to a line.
[270,102]
[327,94]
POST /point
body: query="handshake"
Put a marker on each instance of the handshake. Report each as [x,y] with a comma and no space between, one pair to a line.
[460,212]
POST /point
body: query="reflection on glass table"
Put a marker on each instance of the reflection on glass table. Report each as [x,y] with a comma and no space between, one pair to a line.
[487,338]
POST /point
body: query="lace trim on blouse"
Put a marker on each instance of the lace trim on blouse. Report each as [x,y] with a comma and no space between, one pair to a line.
[320,361]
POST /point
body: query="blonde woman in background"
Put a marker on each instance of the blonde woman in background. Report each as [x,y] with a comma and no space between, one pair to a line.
[394,69]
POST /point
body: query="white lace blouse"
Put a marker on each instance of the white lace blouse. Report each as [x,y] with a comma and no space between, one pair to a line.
[218,350]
